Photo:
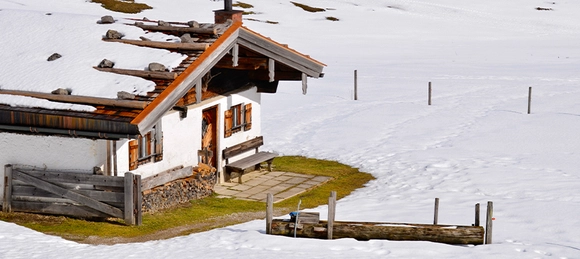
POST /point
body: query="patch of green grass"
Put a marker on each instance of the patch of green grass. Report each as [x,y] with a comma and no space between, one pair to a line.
[123,6]
[330,18]
[211,210]
[308,8]
[242,5]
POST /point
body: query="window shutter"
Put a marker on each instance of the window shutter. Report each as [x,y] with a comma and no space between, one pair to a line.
[248,118]
[158,143]
[228,123]
[133,154]
[149,141]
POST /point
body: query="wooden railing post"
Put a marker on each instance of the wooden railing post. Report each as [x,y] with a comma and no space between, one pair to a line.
[129,214]
[436,214]
[476,215]
[138,200]
[355,85]
[7,201]
[331,213]
[269,212]
[530,100]
[429,98]
[489,222]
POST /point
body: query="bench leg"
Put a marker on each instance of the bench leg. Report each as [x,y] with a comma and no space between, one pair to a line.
[269,165]
[240,177]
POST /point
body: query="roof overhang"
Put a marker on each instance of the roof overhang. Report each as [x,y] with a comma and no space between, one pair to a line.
[65,123]
[188,79]
[280,53]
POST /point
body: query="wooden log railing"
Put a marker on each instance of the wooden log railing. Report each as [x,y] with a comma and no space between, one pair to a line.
[332,229]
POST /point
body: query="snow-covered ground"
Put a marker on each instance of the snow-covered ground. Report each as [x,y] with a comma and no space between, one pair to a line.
[475,143]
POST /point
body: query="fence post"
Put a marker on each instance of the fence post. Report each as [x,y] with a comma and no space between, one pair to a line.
[429,99]
[529,100]
[355,85]
[436,215]
[138,200]
[7,202]
[129,199]
[489,223]
[269,212]
[331,213]
[476,215]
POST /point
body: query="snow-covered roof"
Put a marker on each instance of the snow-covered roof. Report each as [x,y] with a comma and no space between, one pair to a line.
[82,43]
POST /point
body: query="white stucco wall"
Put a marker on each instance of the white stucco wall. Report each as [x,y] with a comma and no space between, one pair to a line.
[50,152]
[181,141]
[182,137]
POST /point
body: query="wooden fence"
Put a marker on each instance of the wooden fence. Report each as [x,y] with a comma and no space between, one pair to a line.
[72,194]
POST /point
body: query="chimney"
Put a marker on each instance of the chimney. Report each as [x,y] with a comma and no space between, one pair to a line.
[221,16]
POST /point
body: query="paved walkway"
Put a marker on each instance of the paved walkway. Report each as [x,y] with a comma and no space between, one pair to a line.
[256,185]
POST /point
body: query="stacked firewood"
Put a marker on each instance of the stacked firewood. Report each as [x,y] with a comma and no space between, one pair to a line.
[198,185]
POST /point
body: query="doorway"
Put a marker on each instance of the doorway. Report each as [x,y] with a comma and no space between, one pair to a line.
[209,136]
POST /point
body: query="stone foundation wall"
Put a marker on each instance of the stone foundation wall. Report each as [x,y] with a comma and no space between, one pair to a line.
[180,191]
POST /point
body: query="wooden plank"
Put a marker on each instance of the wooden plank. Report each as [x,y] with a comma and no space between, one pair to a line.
[128,214]
[243,147]
[76,178]
[139,73]
[165,177]
[163,45]
[103,196]
[460,235]
[7,201]
[57,209]
[43,199]
[262,74]
[70,194]
[235,53]
[252,160]
[78,99]
[304,83]
[243,63]
[271,70]
[177,29]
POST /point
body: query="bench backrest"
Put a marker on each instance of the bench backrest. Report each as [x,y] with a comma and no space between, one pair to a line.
[243,147]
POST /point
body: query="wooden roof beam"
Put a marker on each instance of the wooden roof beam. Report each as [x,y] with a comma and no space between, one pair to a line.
[79,99]
[163,45]
[264,75]
[140,73]
[212,31]
[244,63]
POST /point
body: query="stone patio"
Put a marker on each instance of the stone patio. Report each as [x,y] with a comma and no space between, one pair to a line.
[256,185]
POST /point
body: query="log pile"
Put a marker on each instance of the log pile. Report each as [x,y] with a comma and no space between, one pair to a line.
[198,185]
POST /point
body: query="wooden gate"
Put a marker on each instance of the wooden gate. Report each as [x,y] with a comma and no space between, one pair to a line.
[72,194]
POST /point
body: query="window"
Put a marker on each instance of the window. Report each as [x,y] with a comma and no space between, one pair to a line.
[238,118]
[147,148]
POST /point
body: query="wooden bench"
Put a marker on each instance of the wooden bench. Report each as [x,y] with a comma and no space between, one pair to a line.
[252,161]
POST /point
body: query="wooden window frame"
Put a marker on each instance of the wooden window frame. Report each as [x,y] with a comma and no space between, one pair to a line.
[238,118]
[146,148]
